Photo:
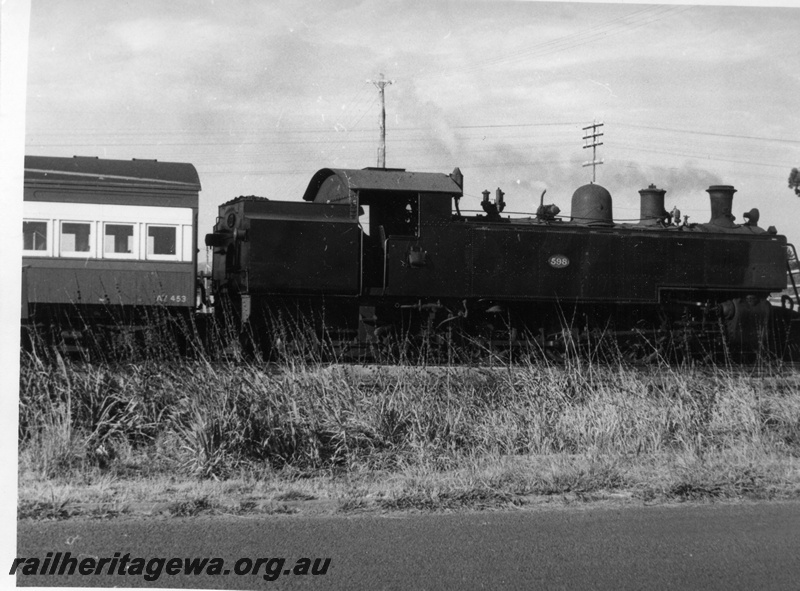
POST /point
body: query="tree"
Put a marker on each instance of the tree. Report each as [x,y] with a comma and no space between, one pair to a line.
[794,181]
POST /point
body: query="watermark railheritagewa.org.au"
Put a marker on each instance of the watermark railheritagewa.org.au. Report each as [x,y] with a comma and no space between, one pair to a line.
[150,569]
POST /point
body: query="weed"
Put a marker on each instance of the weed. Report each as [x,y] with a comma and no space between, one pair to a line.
[43,510]
[191,507]
[682,432]
[295,495]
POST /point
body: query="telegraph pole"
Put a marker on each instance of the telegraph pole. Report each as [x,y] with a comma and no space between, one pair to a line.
[381,85]
[591,142]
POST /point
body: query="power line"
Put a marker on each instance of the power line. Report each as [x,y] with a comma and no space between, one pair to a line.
[333,129]
[709,133]
[594,33]
[705,157]
[341,129]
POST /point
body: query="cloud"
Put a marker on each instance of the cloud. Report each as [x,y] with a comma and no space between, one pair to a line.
[256,86]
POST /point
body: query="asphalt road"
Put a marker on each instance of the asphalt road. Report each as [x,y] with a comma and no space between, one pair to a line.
[741,546]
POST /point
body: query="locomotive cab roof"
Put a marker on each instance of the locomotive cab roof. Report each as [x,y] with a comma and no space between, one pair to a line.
[331,185]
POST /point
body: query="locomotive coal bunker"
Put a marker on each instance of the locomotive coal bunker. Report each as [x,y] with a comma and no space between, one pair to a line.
[374,256]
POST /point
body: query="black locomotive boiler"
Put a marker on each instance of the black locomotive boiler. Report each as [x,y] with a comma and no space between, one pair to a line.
[376,257]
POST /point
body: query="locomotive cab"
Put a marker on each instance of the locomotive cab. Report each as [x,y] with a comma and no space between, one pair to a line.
[397,207]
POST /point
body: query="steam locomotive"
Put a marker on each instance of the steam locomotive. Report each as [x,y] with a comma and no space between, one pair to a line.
[376,257]
[374,261]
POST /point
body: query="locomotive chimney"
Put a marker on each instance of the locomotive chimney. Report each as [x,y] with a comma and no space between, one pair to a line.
[721,205]
[652,206]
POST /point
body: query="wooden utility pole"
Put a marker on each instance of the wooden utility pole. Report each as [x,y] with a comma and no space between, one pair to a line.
[382,84]
[591,142]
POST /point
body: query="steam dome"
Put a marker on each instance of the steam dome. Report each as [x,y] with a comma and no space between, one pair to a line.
[591,204]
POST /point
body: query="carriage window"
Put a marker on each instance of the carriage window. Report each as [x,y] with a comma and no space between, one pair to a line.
[34,235]
[161,240]
[118,239]
[75,237]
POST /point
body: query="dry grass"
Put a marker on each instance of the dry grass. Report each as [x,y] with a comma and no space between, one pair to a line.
[190,436]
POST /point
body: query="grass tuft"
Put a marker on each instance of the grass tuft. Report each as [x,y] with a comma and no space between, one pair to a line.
[405,437]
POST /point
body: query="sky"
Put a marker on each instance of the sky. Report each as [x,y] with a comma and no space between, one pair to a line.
[259,95]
